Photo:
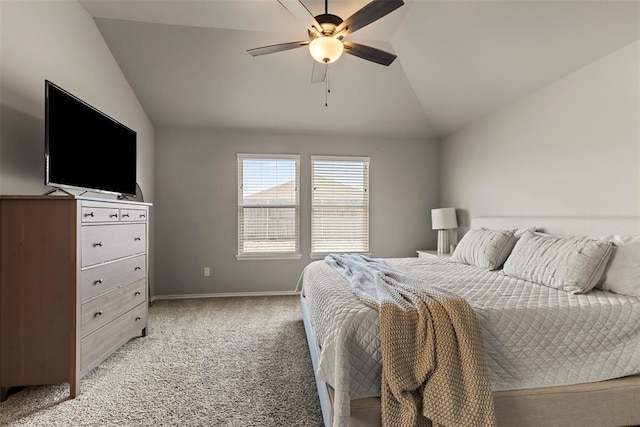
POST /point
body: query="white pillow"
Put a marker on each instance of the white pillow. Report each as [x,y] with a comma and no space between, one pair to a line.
[572,264]
[622,275]
[516,231]
[520,231]
[484,248]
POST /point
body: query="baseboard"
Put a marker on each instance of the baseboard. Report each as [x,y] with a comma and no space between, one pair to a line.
[227,295]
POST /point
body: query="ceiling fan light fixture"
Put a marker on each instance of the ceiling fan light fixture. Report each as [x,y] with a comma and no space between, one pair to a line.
[326,49]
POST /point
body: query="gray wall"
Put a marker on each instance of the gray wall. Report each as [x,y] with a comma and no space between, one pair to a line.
[196,205]
[572,148]
[58,41]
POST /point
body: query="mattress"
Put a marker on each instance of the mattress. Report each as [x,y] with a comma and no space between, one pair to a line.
[534,336]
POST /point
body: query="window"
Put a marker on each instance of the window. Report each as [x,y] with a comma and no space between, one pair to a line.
[339,205]
[268,206]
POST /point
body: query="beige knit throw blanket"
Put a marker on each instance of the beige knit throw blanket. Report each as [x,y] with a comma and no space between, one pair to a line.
[433,365]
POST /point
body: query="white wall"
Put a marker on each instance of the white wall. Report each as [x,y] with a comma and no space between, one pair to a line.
[572,148]
[196,204]
[58,41]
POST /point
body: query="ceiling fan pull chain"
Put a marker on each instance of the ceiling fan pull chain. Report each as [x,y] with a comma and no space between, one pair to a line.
[326,104]
[327,87]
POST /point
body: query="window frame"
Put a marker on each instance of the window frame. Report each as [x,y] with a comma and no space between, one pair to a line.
[267,255]
[363,159]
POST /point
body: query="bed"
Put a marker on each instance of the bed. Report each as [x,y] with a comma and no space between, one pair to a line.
[582,376]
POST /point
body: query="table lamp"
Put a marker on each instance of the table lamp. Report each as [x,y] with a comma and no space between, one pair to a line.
[443,219]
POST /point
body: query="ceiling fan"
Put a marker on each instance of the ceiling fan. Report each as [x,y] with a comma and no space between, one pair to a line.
[327,32]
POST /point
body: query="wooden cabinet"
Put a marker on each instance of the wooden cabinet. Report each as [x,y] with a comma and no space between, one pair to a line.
[73,285]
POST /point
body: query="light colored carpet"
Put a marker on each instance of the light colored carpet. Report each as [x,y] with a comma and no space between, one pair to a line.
[205,362]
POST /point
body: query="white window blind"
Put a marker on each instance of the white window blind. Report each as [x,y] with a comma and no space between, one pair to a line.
[339,204]
[268,206]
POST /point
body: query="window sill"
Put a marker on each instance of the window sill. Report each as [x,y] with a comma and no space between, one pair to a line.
[317,255]
[267,257]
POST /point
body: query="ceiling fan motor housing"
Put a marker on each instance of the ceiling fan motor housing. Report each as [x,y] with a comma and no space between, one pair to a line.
[328,22]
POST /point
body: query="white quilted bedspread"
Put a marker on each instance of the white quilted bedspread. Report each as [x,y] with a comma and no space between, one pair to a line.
[534,336]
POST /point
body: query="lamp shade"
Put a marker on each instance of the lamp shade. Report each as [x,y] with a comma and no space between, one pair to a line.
[443,218]
[326,49]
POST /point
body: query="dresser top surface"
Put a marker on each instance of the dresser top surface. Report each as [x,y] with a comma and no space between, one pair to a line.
[81,198]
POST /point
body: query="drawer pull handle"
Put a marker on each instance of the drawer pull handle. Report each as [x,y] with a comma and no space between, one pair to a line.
[137,268]
[136,239]
[97,244]
[143,216]
[137,293]
[125,215]
[89,214]
[138,318]
[98,314]
[113,216]
[97,282]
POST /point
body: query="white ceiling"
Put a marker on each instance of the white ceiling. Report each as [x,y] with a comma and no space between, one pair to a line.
[457,61]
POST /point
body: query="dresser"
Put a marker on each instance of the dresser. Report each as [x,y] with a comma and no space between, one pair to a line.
[73,285]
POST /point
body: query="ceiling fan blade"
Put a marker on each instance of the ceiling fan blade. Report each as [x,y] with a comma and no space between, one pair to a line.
[369,53]
[319,72]
[365,16]
[300,11]
[265,50]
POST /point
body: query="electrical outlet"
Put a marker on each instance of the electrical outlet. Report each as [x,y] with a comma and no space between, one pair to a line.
[207,272]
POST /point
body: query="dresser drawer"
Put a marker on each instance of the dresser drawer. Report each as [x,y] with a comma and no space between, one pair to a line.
[103,278]
[94,214]
[107,307]
[102,243]
[96,346]
[133,215]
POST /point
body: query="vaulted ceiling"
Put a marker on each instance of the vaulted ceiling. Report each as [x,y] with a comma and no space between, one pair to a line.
[457,61]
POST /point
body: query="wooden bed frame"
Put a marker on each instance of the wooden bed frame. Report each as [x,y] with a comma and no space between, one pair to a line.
[607,403]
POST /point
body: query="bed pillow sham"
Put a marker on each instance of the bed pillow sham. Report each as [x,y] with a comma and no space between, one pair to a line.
[622,275]
[516,231]
[572,264]
[486,249]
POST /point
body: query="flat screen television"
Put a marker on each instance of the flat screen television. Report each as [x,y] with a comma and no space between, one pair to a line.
[86,149]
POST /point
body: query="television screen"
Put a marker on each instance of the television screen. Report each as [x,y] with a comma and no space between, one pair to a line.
[85,148]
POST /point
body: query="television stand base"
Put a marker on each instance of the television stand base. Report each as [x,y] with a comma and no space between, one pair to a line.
[56,189]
